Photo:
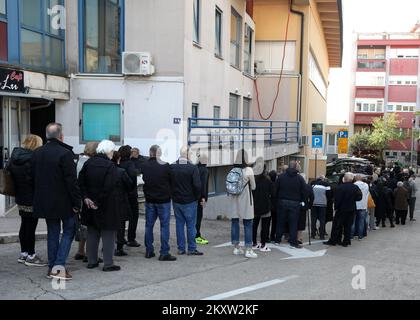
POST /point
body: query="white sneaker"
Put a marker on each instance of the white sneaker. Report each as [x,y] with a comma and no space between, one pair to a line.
[265,249]
[257,247]
[238,252]
[250,254]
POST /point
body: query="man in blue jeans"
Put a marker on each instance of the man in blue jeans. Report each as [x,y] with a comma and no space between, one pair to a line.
[359,226]
[186,191]
[57,197]
[157,191]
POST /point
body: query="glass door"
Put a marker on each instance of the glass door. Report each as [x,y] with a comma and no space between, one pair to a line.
[15,127]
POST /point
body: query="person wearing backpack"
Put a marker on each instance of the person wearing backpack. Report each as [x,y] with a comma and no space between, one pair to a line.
[240,183]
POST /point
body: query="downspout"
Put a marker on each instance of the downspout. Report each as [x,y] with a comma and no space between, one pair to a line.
[302,35]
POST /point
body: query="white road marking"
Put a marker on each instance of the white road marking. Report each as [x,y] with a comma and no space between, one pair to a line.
[292,252]
[255,287]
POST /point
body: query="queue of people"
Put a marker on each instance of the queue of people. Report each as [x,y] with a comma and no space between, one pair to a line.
[94,198]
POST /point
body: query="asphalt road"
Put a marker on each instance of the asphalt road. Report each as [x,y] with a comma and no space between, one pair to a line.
[390,258]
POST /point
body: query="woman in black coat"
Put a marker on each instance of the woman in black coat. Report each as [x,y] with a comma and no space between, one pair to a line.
[20,167]
[262,195]
[128,165]
[384,204]
[123,187]
[100,213]
[273,178]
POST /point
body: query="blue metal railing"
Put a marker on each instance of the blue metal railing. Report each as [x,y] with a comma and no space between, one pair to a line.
[210,132]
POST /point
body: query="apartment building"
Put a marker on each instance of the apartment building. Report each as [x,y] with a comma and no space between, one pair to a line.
[207,62]
[312,31]
[386,73]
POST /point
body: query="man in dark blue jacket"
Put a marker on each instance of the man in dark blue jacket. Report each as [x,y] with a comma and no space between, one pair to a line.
[345,197]
[157,191]
[291,194]
[186,191]
[57,197]
[204,178]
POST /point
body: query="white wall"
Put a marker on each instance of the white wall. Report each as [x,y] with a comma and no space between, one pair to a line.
[149,109]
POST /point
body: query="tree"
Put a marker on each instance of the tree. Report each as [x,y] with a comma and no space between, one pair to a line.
[359,142]
[385,130]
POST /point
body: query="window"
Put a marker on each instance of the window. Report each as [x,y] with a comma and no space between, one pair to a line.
[2,7]
[42,46]
[406,108]
[233,109]
[380,106]
[102,42]
[249,34]
[3,32]
[246,112]
[271,54]
[358,107]
[399,107]
[197,10]
[411,108]
[371,65]
[387,153]
[235,38]
[216,115]
[101,121]
[316,77]
[194,113]
[218,48]
[395,154]
[331,139]
[390,108]
[366,107]
[372,107]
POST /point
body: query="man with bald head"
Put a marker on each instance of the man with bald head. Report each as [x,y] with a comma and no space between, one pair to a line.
[57,197]
[346,196]
[186,192]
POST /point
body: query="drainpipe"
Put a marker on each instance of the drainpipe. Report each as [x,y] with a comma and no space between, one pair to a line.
[302,35]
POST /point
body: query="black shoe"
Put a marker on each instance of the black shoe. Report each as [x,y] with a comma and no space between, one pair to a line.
[181,253]
[296,246]
[93,266]
[345,245]
[392,225]
[85,260]
[383,225]
[79,257]
[167,257]
[313,237]
[300,242]
[150,255]
[111,268]
[329,243]
[133,244]
[195,253]
[120,253]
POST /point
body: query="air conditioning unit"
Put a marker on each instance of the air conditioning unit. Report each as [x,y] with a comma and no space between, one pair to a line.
[138,63]
[259,67]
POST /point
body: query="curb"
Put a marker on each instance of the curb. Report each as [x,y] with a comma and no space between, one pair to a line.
[8,238]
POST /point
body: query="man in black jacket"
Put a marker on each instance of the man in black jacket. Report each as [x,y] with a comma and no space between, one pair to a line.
[138,159]
[157,191]
[345,197]
[204,178]
[291,194]
[56,197]
[186,191]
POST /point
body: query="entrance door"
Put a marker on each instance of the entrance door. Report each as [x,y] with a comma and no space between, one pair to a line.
[15,123]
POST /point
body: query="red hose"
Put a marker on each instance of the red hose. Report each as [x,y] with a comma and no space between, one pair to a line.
[280,78]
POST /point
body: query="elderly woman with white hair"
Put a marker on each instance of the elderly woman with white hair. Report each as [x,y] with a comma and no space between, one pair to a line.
[97,180]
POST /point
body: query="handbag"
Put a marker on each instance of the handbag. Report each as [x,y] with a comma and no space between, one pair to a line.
[371,203]
[7,185]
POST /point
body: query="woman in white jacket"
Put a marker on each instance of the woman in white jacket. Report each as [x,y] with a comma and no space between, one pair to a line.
[242,207]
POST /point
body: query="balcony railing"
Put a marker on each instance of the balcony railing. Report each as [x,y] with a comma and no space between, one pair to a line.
[229,133]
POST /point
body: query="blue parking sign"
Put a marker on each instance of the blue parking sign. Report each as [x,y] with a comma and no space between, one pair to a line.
[317,142]
[343,135]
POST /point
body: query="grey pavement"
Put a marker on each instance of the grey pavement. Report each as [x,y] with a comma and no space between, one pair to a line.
[390,258]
